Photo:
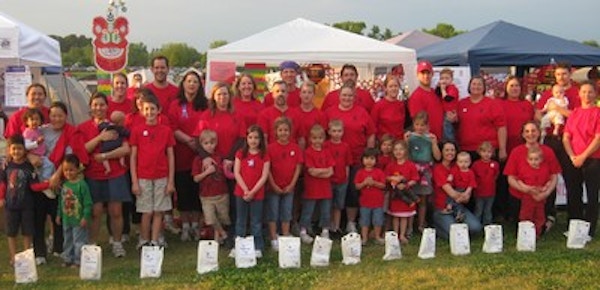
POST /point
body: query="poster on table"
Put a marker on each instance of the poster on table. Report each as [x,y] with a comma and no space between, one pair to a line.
[16,81]
[462,75]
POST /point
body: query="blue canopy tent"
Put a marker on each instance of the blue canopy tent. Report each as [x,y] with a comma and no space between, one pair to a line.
[504,44]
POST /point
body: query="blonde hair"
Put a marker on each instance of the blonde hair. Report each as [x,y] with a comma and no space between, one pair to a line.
[447,71]
[309,84]
[486,145]
[463,154]
[283,120]
[421,116]
[336,123]
[386,138]
[317,130]
[535,150]
[208,134]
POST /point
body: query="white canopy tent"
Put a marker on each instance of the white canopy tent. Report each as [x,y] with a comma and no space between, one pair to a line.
[307,42]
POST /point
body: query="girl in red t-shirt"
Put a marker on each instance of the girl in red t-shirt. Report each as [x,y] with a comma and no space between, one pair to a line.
[251,170]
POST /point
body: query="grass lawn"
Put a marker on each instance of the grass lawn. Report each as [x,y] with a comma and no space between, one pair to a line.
[552,266]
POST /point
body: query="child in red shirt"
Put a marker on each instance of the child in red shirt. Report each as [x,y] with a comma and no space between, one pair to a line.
[385,148]
[342,155]
[286,164]
[251,171]
[214,195]
[448,93]
[462,179]
[486,171]
[402,175]
[317,184]
[152,170]
[371,182]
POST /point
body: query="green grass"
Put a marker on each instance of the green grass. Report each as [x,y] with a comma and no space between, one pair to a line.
[552,266]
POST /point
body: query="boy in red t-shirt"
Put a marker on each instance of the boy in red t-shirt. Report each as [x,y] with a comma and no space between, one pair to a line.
[342,155]
[317,184]
[462,179]
[371,182]
[214,195]
[152,177]
[448,93]
[486,171]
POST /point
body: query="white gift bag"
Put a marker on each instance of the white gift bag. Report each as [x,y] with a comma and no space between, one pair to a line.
[208,257]
[289,252]
[392,247]
[151,261]
[90,267]
[493,242]
[320,252]
[578,236]
[427,246]
[459,239]
[351,249]
[245,254]
[526,237]
[25,269]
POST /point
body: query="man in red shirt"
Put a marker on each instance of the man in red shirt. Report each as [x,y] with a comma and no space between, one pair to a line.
[266,119]
[363,97]
[424,99]
[289,71]
[160,86]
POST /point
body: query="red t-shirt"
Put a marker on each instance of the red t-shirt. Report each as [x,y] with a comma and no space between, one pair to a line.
[383,161]
[266,121]
[572,94]
[213,184]
[409,171]
[248,110]
[185,119]
[583,125]
[370,196]
[440,178]
[314,187]
[229,127]
[428,101]
[293,99]
[16,126]
[517,113]
[363,98]
[479,122]
[451,90]
[358,126]
[126,106]
[532,176]
[518,159]
[284,160]
[95,170]
[251,169]
[343,159]
[152,142]
[485,177]
[165,95]
[462,179]
[133,120]
[388,117]
[308,119]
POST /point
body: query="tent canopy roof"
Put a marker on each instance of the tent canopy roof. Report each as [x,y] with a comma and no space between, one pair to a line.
[504,44]
[414,39]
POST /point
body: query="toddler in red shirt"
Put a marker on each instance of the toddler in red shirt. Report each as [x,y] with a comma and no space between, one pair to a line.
[370,180]
[214,195]
[448,93]
[486,171]
[462,179]
[342,155]
[385,149]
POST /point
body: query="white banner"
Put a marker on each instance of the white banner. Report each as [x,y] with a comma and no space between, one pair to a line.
[16,81]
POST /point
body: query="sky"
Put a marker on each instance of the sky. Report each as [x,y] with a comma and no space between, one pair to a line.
[200,22]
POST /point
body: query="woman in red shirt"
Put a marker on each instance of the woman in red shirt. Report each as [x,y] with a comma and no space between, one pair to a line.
[388,113]
[245,103]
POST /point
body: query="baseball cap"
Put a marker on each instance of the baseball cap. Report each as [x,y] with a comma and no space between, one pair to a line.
[424,66]
[289,64]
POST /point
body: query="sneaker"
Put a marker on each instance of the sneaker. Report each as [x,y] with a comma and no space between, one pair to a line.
[232,253]
[258,254]
[325,234]
[305,238]
[185,236]
[351,227]
[161,242]
[364,242]
[125,238]
[275,245]
[195,234]
[118,250]
[142,243]
[111,241]
[40,261]
[380,241]
[566,234]
[170,226]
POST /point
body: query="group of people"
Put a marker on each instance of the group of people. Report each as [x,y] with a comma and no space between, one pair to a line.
[240,165]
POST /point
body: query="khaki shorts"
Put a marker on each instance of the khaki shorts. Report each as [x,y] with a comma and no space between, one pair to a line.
[216,209]
[153,196]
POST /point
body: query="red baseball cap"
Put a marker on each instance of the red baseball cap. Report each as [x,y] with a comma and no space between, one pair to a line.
[424,66]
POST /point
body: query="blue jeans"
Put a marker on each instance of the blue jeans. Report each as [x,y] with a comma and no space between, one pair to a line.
[74,238]
[280,207]
[443,221]
[308,207]
[371,216]
[483,208]
[339,195]
[47,169]
[449,130]
[255,209]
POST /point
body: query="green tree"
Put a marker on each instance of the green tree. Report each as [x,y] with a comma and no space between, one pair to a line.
[377,34]
[444,30]
[217,44]
[82,56]
[387,34]
[138,54]
[351,26]
[591,43]
[179,54]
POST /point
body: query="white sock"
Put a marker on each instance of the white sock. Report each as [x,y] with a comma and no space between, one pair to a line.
[185,226]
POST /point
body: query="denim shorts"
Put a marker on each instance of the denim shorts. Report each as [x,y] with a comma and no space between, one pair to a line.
[371,216]
[352,193]
[339,195]
[279,207]
[109,190]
